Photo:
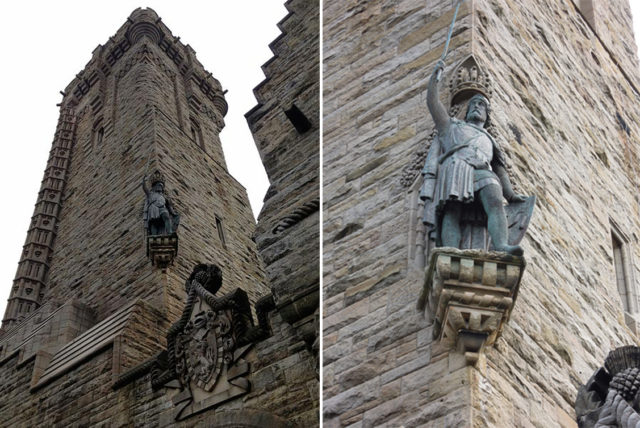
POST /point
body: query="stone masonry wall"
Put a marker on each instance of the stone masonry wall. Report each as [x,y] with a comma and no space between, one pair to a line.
[288,230]
[560,116]
[283,384]
[614,26]
[290,156]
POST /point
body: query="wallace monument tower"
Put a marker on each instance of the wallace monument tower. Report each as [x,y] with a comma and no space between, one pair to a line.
[144,294]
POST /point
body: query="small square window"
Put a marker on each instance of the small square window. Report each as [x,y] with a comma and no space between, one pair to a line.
[298,119]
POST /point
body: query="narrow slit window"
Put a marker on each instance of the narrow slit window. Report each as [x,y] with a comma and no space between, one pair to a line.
[623,270]
[618,262]
[298,119]
[196,133]
[97,133]
[220,232]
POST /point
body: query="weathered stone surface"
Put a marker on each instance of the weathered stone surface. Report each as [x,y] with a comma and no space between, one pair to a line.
[560,93]
[286,129]
[469,295]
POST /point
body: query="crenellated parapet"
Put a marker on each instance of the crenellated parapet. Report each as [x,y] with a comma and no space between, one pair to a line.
[199,98]
[285,127]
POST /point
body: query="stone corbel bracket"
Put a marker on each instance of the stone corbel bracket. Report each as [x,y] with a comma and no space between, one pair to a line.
[162,249]
[469,295]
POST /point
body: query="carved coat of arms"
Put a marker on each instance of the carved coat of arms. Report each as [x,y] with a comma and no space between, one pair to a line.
[207,346]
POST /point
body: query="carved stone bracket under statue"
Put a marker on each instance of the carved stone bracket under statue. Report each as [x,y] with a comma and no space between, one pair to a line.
[162,249]
[469,295]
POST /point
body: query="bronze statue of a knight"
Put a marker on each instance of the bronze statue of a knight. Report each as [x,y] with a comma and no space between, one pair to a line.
[160,218]
[465,178]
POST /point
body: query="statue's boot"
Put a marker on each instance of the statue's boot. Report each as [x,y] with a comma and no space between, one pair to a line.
[515,250]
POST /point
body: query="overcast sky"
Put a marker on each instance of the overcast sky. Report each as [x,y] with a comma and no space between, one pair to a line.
[46,43]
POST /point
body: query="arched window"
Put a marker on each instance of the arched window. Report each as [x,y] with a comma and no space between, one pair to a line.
[100,136]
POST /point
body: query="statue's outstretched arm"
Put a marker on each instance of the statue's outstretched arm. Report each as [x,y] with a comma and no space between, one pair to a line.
[507,189]
[437,110]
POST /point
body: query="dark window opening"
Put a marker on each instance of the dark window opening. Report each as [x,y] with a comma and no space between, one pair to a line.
[298,119]
[220,232]
[196,133]
[623,124]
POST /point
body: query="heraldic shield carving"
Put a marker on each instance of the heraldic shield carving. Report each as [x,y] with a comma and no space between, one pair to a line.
[202,348]
[207,347]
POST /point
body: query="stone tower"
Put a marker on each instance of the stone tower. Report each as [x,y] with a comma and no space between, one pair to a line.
[565,111]
[114,128]
[108,321]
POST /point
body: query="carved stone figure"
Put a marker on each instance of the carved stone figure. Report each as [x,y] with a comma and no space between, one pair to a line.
[160,218]
[465,176]
[611,397]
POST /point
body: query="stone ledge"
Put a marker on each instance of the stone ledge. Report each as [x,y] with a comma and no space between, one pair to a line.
[162,249]
[129,322]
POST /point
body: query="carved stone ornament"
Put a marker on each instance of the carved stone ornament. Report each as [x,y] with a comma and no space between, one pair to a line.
[469,295]
[207,347]
[469,79]
[611,397]
[162,250]
[205,343]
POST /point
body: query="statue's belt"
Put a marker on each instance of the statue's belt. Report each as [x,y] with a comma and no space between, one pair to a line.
[452,151]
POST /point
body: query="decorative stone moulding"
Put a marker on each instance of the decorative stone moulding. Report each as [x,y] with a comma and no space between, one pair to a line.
[469,79]
[221,104]
[162,249]
[469,295]
[142,29]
